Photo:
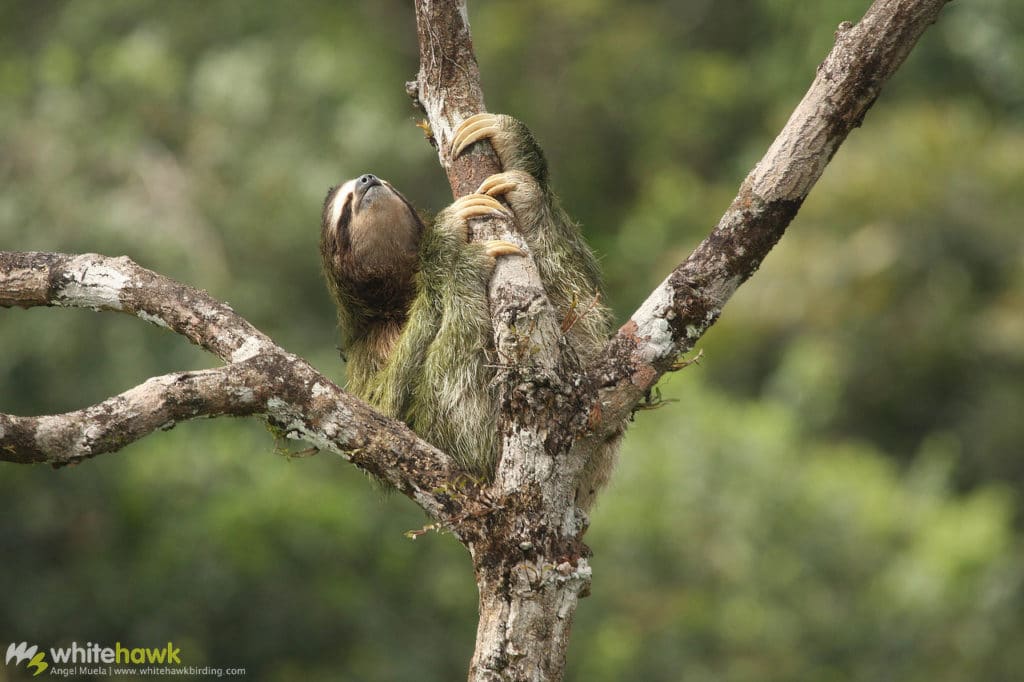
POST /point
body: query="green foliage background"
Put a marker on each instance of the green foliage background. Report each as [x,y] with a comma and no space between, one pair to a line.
[835,493]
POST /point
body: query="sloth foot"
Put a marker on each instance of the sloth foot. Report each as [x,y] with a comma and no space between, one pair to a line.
[483,206]
[499,184]
[478,205]
[500,247]
[474,129]
[475,206]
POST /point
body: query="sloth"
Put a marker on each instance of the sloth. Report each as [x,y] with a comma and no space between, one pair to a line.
[412,297]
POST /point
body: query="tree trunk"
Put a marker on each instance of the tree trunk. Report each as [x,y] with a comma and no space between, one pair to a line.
[526,613]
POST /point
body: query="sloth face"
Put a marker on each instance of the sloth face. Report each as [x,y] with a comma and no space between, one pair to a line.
[368,226]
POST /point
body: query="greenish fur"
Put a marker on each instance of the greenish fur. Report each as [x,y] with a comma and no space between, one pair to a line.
[436,376]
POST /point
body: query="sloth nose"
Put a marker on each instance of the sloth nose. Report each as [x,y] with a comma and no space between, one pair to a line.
[367,179]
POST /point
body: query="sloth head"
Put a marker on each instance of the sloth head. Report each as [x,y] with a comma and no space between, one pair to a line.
[369,240]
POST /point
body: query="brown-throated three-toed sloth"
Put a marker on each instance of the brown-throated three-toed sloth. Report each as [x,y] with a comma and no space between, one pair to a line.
[412,299]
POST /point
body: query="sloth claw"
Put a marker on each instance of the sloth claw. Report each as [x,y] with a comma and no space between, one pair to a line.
[474,129]
[478,205]
[500,247]
[498,185]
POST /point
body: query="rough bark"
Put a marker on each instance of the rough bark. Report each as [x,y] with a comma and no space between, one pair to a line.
[523,531]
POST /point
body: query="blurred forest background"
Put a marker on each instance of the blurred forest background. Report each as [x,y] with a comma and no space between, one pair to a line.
[835,493]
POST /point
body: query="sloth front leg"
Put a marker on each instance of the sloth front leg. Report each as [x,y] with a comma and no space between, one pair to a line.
[515,145]
[524,185]
[567,266]
[525,197]
[550,232]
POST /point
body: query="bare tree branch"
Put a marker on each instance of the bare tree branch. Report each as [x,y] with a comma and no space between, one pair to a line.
[260,379]
[689,301]
[157,403]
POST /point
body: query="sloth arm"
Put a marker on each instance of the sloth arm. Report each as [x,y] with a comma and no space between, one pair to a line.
[568,268]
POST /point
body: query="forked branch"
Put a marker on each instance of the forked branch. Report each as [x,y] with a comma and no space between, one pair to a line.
[690,300]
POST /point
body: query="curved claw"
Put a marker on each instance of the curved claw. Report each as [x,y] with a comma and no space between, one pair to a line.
[498,185]
[477,212]
[473,129]
[500,247]
[476,205]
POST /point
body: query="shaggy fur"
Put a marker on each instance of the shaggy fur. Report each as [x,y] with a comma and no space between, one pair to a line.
[412,301]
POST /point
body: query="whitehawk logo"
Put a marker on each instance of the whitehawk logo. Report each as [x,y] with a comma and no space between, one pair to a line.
[22,651]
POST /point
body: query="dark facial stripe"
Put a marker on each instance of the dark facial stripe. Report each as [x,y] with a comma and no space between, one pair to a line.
[342,231]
